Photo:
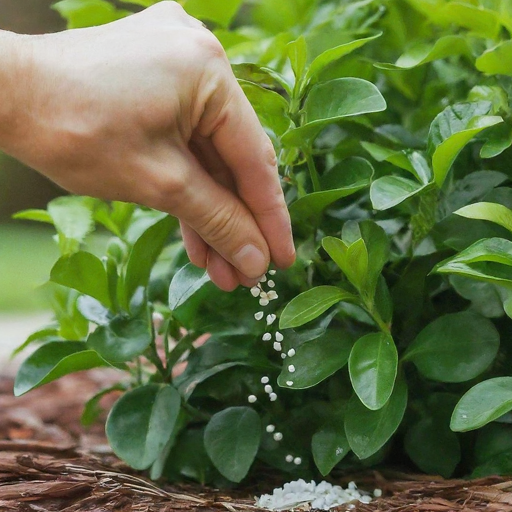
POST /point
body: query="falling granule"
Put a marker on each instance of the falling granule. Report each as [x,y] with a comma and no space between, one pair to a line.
[270,428]
[277,346]
[289,458]
[312,496]
[258,315]
[283,356]
[271,319]
[263,278]
[265,380]
[291,352]
[272,272]
[289,382]
[279,336]
[264,302]
[291,368]
[268,389]
[251,399]
[273,397]
[278,436]
[297,461]
[255,291]
[266,337]
[272,295]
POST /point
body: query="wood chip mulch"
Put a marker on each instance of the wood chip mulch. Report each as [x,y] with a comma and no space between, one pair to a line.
[49,463]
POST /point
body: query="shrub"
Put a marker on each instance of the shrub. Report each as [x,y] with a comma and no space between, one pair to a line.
[391,121]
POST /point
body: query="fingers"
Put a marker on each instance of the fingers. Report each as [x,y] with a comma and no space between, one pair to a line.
[245,148]
[195,246]
[214,213]
[221,272]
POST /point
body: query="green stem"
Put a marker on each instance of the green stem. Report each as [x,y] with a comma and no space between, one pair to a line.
[312,170]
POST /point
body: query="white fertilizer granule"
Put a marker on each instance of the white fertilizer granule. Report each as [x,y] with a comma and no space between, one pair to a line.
[322,496]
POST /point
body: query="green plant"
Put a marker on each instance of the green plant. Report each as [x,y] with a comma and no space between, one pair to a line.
[394,321]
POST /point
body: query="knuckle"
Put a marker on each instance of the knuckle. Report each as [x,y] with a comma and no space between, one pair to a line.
[221,225]
[209,46]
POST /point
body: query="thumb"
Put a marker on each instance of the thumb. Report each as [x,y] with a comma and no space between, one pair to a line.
[217,215]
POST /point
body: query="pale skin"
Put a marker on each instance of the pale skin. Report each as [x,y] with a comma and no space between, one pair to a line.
[147,110]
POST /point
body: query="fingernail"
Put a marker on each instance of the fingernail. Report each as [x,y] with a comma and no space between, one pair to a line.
[250,261]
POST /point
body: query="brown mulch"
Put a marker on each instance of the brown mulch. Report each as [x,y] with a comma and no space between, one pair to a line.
[48,463]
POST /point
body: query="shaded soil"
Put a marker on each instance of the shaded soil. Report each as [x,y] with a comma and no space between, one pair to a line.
[48,463]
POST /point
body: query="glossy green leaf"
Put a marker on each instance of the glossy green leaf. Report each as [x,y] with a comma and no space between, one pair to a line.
[373,367]
[329,445]
[35,215]
[144,254]
[83,272]
[93,310]
[452,129]
[492,212]
[316,360]
[52,361]
[333,54]
[497,60]
[141,422]
[455,348]
[390,191]
[344,179]
[498,250]
[422,53]
[45,334]
[311,304]
[499,139]
[298,54]
[333,101]
[185,283]
[483,403]
[92,409]
[122,339]
[433,447]
[481,21]
[368,431]
[231,439]
[271,107]
[218,12]
[88,13]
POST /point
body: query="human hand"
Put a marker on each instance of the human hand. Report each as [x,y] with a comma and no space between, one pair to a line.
[146,109]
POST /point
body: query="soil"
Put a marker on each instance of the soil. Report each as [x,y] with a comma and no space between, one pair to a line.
[49,462]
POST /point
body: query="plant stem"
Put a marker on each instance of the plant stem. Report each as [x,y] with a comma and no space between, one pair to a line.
[312,170]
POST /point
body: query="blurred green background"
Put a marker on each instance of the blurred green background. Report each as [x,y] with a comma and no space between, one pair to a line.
[27,251]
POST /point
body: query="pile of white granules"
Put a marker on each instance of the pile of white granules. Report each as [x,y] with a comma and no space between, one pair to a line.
[322,496]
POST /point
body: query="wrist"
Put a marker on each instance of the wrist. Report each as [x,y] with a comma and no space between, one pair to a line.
[15,87]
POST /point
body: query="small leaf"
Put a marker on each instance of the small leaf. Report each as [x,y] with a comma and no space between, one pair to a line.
[122,339]
[497,60]
[452,129]
[455,348]
[483,403]
[141,422]
[390,191]
[144,254]
[49,333]
[422,53]
[83,272]
[52,361]
[185,283]
[298,54]
[368,431]
[493,212]
[36,215]
[316,360]
[345,178]
[499,139]
[333,54]
[231,439]
[271,107]
[329,445]
[311,304]
[93,310]
[333,101]
[373,367]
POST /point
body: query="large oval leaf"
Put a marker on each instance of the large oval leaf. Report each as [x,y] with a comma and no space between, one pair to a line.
[455,347]
[493,212]
[311,304]
[497,60]
[373,366]
[316,360]
[231,439]
[389,191]
[122,339]
[329,445]
[483,403]
[83,272]
[367,431]
[54,360]
[141,422]
[185,283]
[332,101]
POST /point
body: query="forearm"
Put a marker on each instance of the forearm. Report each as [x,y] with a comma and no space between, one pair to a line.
[15,86]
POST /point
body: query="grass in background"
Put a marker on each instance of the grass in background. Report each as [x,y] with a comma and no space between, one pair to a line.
[27,255]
